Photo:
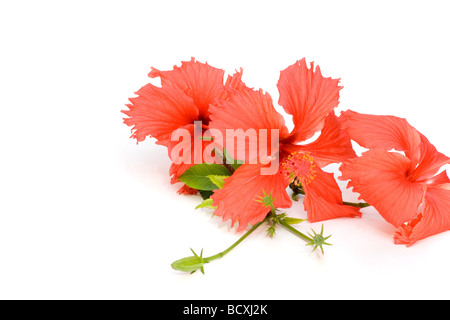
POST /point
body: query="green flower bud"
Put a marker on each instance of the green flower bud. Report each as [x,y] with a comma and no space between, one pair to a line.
[190,264]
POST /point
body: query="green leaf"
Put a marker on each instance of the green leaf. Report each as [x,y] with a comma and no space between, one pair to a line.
[196,176]
[290,220]
[206,204]
[218,180]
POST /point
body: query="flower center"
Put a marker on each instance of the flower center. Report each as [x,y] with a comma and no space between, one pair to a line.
[299,168]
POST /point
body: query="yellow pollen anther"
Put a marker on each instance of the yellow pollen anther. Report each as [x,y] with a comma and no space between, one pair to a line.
[299,168]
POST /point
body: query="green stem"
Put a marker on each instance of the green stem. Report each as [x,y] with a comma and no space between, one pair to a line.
[221,254]
[357,204]
[295,231]
[226,164]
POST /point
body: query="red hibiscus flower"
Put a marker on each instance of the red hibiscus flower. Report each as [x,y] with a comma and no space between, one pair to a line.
[310,99]
[406,188]
[184,97]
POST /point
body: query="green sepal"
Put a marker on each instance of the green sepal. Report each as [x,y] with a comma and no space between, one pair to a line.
[318,240]
[291,220]
[270,231]
[190,264]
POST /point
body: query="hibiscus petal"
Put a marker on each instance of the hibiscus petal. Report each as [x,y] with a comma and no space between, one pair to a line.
[332,146]
[252,112]
[157,112]
[390,132]
[440,179]
[200,81]
[430,161]
[308,97]
[434,219]
[323,199]
[383,132]
[380,177]
[237,199]
[233,83]
[185,160]
[247,109]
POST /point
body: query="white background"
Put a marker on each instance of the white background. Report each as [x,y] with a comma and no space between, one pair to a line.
[86,213]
